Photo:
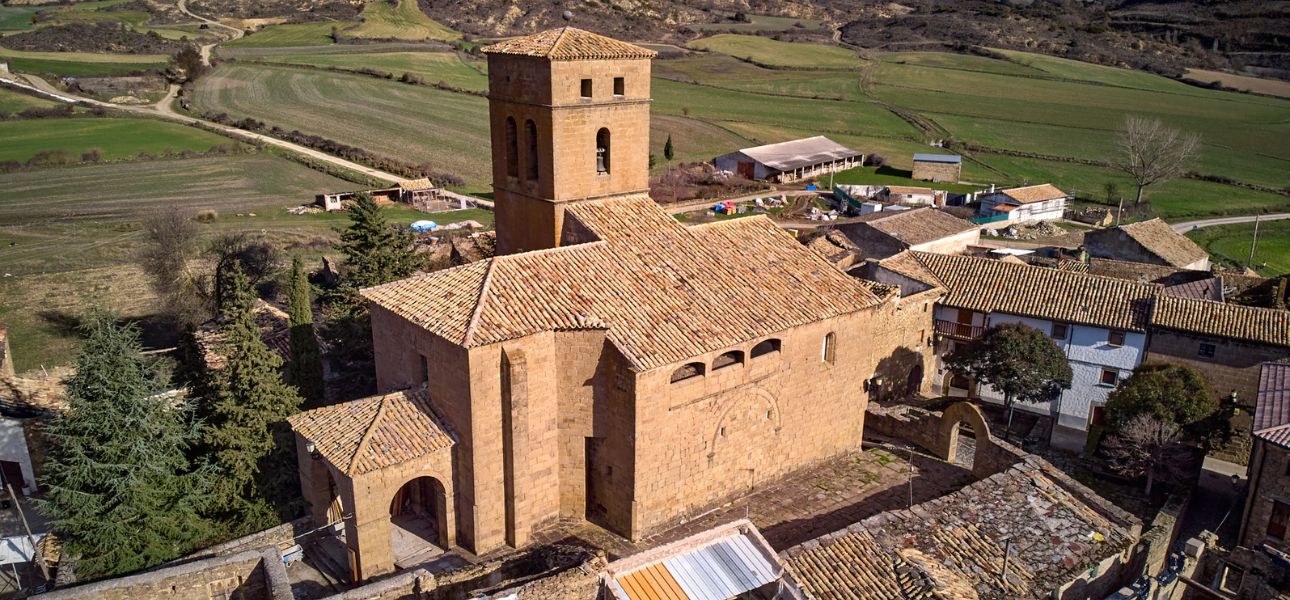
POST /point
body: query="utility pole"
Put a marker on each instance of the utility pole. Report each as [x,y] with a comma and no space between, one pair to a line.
[1254,243]
[1119,211]
[35,550]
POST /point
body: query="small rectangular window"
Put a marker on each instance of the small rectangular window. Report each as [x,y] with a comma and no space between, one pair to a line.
[1115,338]
[619,86]
[586,88]
[1110,377]
[1206,351]
[1060,330]
[425,369]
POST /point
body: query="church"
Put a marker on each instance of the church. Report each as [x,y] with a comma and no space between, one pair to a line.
[610,364]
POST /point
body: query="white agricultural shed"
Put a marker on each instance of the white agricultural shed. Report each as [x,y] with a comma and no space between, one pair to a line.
[790,161]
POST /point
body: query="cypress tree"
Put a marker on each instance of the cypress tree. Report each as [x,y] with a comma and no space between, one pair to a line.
[121,494]
[375,252]
[305,370]
[250,403]
[667,148]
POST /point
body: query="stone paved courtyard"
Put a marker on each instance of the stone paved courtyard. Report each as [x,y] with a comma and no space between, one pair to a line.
[808,505]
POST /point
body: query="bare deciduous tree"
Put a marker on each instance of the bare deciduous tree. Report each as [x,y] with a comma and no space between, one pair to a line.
[1151,446]
[1151,152]
[170,243]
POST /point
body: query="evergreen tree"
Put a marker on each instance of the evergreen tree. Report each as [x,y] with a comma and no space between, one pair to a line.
[667,148]
[375,252]
[121,494]
[305,370]
[1020,361]
[249,404]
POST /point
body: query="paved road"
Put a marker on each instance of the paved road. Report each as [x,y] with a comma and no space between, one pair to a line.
[1186,226]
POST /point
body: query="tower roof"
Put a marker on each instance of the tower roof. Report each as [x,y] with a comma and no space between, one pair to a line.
[569,43]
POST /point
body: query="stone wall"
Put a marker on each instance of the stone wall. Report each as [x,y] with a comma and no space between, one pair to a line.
[1269,483]
[250,575]
[279,535]
[937,171]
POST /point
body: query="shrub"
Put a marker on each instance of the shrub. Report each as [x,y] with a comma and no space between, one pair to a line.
[93,155]
[207,216]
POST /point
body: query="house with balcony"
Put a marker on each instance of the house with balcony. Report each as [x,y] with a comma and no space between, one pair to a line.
[1099,323]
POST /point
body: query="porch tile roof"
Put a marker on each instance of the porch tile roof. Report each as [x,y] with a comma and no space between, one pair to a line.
[372,433]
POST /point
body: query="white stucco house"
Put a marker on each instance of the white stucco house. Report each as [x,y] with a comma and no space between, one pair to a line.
[1030,204]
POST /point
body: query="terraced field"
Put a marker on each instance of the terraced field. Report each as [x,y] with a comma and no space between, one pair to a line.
[413,123]
[12,102]
[81,64]
[381,20]
[785,54]
[115,138]
[447,67]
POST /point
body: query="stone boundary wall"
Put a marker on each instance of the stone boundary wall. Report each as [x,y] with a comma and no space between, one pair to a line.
[1158,538]
[278,535]
[466,582]
[250,575]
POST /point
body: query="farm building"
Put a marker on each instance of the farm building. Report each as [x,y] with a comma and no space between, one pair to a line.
[790,161]
[1152,242]
[1030,204]
[938,167]
[904,194]
[407,191]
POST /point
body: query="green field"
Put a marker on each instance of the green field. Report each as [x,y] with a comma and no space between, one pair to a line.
[412,123]
[16,18]
[760,23]
[432,67]
[1231,244]
[784,54]
[81,64]
[292,34]
[116,138]
[12,102]
[404,21]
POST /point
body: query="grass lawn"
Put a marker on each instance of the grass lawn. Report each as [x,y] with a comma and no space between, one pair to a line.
[291,34]
[432,67]
[116,138]
[412,123]
[12,102]
[1231,243]
[784,54]
[406,21]
[892,176]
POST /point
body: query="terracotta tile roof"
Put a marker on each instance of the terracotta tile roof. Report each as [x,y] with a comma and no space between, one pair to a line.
[421,183]
[1035,193]
[1202,289]
[1133,271]
[986,285]
[664,293]
[1159,239]
[956,544]
[1220,319]
[918,226]
[1272,411]
[906,265]
[376,432]
[274,331]
[568,43]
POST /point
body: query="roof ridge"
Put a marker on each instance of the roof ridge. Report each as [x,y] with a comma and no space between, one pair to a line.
[473,324]
[983,260]
[558,40]
[367,435]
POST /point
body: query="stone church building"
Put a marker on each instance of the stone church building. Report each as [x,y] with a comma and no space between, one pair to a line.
[609,364]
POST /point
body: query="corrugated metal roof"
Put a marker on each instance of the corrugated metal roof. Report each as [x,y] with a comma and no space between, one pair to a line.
[938,158]
[786,156]
[718,571]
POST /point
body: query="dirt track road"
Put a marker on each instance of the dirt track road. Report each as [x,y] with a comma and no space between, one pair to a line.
[233,32]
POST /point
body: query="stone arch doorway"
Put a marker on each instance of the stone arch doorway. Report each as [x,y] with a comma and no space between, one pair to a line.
[958,386]
[953,444]
[419,521]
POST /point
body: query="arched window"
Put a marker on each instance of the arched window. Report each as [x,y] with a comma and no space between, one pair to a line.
[530,136]
[602,151]
[512,148]
[688,371]
[829,350]
[765,347]
[729,359]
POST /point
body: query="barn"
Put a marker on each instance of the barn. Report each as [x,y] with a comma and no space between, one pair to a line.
[790,161]
[944,168]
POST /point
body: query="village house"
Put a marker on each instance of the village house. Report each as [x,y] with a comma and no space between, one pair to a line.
[414,192]
[1265,519]
[1152,242]
[790,161]
[943,168]
[604,365]
[904,194]
[882,234]
[1029,204]
[1099,323]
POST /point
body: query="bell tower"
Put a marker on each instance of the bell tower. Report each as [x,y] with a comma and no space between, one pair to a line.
[569,116]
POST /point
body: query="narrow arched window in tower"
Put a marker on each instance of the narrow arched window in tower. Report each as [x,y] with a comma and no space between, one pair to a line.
[512,148]
[530,134]
[602,151]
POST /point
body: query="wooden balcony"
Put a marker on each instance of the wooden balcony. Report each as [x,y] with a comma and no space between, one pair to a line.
[959,331]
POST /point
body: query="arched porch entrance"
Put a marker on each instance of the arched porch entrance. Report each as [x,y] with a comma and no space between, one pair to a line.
[419,521]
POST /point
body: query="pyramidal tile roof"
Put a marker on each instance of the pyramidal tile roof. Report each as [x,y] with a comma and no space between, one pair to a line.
[372,433]
[569,43]
[663,292]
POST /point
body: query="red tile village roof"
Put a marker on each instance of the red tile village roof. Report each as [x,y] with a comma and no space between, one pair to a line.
[372,433]
[568,43]
[1272,412]
[1220,319]
[663,292]
[1035,193]
[1158,238]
